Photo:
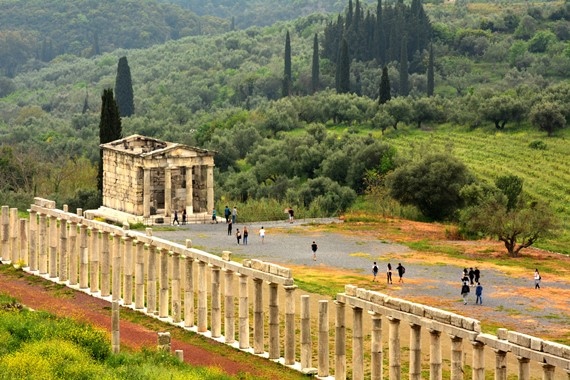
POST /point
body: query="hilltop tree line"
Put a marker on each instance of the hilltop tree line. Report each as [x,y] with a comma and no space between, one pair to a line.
[35,32]
[379,36]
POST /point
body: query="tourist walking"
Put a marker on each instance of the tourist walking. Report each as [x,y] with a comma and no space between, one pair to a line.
[238,235]
[227,214]
[245,235]
[291,215]
[477,274]
[214,217]
[314,250]
[262,234]
[374,271]
[230,227]
[175,220]
[184,216]
[471,275]
[465,291]
[389,274]
[234,215]
[401,270]
[537,279]
[479,294]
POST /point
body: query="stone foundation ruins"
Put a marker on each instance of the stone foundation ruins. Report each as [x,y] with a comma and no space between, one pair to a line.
[369,334]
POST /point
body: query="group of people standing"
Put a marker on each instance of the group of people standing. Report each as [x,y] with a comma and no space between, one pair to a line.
[471,278]
[400,269]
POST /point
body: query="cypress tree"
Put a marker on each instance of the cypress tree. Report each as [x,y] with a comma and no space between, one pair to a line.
[109,129]
[315,72]
[124,89]
[430,73]
[343,72]
[384,93]
[404,68]
[287,72]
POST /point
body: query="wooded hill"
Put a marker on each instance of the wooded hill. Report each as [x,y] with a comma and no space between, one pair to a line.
[496,66]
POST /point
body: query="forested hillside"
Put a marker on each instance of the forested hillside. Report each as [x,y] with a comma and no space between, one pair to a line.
[246,13]
[33,32]
[494,68]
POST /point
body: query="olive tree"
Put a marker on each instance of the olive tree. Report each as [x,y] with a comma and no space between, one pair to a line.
[432,184]
[517,228]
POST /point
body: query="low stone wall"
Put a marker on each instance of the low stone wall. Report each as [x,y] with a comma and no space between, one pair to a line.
[182,285]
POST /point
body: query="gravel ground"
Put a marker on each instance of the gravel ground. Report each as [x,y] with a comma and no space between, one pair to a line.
[507,299]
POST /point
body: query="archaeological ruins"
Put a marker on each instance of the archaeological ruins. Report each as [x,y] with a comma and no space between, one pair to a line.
[361,333]
[150,179]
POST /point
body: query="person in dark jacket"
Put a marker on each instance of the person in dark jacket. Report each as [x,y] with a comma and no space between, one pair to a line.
[401,270]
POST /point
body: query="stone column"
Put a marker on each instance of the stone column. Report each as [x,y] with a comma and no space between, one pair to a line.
[105,265]
[116,269]
[139,275]
[456,357]
[394,348]
[176,302]
[258,331]
[548,372]
[524,368]
[435,360]
[73,253]
[500,365]
[84,258]
[216,315]
[146,192]
[210,188]
[323,368]
[6,234]
[151,280]
[189,292]
[274,342]
[14,229]
[127,270]
[189,190]
[289,325]
[163,284]
[42,245]
[63,274]
[202,298]
[115,330]
[340,341]
[357,344]
[415,352]
[23,244]
[243,334]
[168,191]
[229,312]
[53,234]
[376,354]
[478,361]
[33,246]
[94,262]
[306,349]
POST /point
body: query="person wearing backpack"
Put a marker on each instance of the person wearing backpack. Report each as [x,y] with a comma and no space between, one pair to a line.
[401,270]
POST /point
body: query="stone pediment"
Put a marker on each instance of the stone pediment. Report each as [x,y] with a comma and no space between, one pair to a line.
[148,147]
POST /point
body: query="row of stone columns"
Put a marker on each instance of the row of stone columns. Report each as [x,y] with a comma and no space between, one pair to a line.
[127,269]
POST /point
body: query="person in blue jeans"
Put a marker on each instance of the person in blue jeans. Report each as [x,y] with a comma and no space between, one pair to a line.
[479,294]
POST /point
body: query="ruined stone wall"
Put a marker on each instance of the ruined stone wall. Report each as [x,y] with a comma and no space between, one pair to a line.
[123,183]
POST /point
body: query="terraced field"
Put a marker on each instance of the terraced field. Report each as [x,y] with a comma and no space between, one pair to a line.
[490,153]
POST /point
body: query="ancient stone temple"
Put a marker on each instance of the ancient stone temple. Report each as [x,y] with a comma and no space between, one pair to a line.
[148,177]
